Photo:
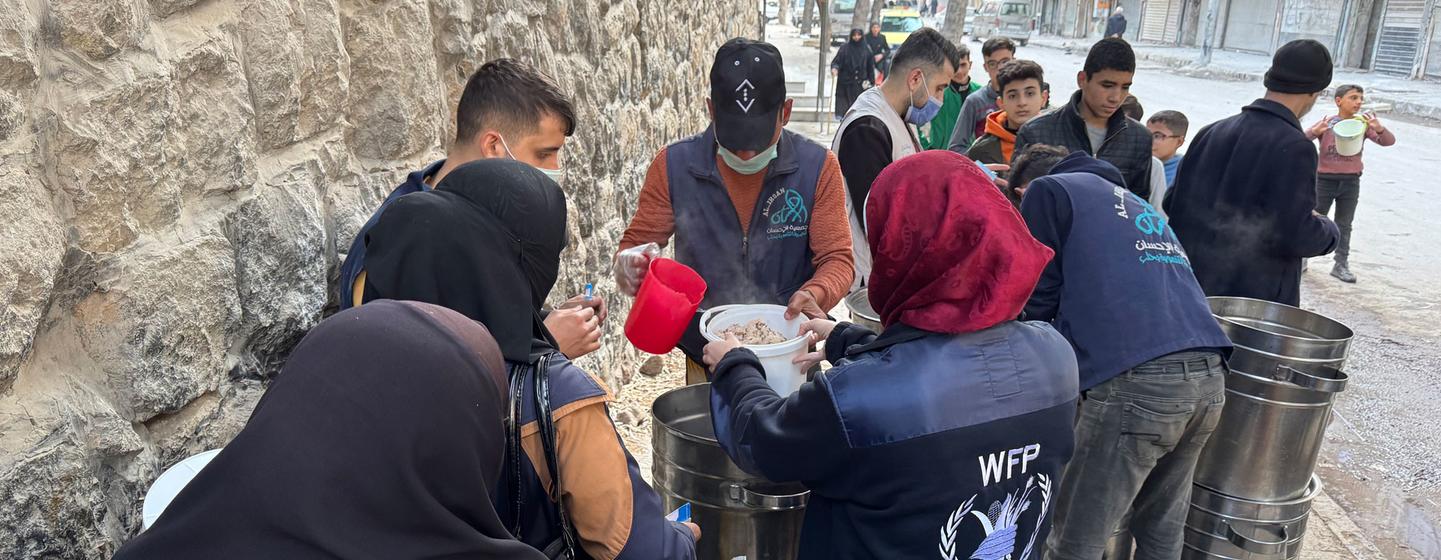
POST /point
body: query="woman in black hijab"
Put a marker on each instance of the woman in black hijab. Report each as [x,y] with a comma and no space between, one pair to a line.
[381,438]
[457,246]
[854,68]
[486,242]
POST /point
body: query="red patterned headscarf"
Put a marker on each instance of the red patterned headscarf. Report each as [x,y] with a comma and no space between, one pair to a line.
[951,254]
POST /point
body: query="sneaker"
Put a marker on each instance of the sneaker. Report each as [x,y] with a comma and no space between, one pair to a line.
[1343,273]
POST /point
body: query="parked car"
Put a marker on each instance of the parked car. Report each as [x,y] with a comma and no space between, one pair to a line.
[896,25]
[969,27]
[1008,18]
[841,11]
[773,10]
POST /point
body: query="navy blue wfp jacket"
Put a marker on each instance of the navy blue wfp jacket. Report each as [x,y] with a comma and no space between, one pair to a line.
[916,444]
[1120,287]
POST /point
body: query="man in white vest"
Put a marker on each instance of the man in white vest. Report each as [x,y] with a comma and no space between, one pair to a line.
[880,126]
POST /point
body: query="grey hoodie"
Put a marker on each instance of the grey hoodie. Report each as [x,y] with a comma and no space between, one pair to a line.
[973,115]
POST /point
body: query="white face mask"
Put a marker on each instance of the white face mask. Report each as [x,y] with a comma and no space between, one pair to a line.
[748,166]
[556,175]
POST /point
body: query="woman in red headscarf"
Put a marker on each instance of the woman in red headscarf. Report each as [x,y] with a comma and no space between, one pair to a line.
[947,432]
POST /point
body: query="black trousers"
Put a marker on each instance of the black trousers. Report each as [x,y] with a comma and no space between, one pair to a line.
[1345,191]
[846,94]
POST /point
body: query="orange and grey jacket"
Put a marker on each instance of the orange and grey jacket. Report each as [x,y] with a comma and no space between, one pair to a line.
[997,144]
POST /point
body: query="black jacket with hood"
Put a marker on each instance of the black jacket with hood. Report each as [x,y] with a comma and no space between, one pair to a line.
[1243,205]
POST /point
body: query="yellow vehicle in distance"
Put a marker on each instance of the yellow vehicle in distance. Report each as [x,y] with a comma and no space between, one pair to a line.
[898,24]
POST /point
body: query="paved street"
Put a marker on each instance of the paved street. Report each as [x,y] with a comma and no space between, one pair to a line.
[1382,461]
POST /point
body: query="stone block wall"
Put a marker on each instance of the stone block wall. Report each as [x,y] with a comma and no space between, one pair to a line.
[178,179]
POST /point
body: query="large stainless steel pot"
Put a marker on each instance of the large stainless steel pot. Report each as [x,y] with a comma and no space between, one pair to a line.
[862,314]
[1283,381]
[1283,333]
[740,515]
[1221,526]
[1270,434]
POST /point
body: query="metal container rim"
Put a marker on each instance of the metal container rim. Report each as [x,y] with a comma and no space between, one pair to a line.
[1222,300]
[664,423]
[868,312]
[1206,499]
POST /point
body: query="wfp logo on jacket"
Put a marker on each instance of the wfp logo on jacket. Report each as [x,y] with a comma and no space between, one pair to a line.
[1001,521]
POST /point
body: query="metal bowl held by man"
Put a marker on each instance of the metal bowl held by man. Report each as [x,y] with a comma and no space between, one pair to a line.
[859,303]
[743,515]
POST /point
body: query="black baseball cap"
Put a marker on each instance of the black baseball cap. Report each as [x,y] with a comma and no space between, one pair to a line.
[747,91]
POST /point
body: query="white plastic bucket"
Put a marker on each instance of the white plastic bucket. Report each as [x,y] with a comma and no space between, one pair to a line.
[782,375]
[169,485]
[1350,134]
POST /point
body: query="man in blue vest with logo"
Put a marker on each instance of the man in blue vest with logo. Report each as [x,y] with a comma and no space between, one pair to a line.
[1151,357]
[758,211]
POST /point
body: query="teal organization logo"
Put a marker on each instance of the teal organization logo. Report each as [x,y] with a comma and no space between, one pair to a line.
[787,215]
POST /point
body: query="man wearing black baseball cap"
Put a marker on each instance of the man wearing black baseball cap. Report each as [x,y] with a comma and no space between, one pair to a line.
[1244,202]
[757,210]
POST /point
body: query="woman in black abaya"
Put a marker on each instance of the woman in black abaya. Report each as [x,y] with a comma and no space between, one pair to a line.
[853,68]
[381,438]
[487,242]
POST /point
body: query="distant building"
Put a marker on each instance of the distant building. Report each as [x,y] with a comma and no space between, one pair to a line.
[1397,37]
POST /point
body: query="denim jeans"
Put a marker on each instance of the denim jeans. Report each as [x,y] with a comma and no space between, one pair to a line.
[1137,440]
[1345,191]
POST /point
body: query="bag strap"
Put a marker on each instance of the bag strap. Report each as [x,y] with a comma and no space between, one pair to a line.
[546,423]
[513,451]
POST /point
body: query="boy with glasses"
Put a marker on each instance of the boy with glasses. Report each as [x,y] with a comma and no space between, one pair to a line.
[995,53]
[1168,133]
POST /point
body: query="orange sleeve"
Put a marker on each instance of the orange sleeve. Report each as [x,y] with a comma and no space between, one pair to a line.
[831,238]
[594,476]
[653,222]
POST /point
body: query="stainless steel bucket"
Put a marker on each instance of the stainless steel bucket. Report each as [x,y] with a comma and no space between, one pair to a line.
[1282,333]
[1270,434]
[1221,526]
[861,312]
[740,515]
[1284,378]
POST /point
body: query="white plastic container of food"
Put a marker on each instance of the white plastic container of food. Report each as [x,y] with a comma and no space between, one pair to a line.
[782,375]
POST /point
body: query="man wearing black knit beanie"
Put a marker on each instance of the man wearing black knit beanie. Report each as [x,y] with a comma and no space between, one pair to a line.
[1244,199]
